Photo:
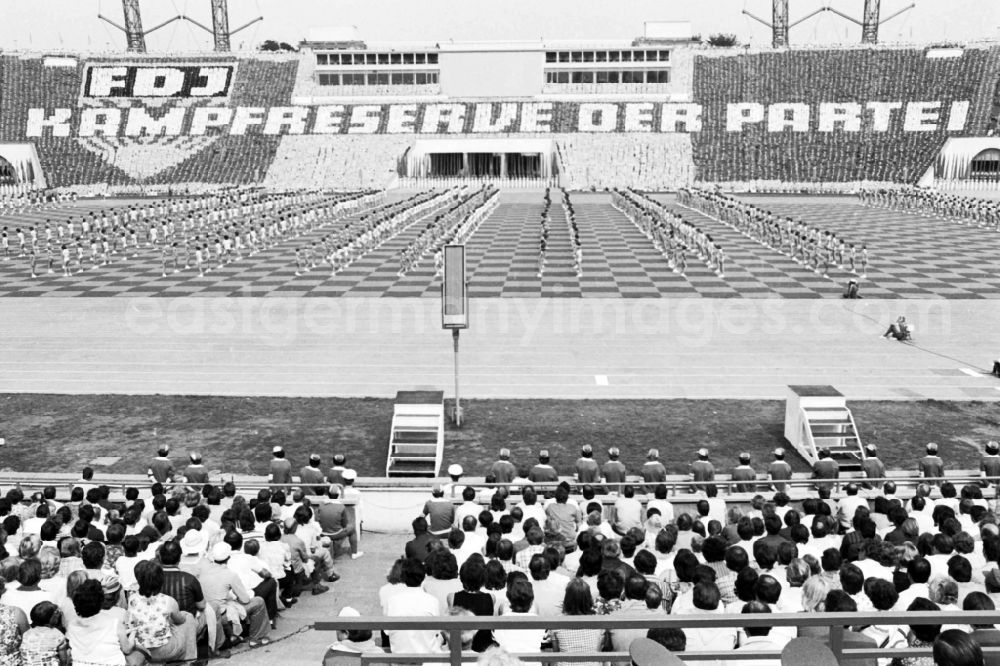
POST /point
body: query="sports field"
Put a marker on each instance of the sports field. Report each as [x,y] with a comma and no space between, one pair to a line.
[911,257]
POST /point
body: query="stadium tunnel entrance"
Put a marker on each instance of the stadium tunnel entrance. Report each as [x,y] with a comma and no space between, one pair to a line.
[528,159]
[20,166]
[967,160]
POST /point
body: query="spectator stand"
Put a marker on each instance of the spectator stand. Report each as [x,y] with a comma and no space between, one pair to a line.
[453,626]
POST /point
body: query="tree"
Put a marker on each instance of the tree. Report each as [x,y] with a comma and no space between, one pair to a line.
[696,39]
[723,40]
[272,45]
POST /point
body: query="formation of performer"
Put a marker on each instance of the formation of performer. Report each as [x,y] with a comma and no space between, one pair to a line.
[213,231]
[450,227]
[543,233]
[820,250]
[574,233]
[930,203]
[356,238]
[671,235]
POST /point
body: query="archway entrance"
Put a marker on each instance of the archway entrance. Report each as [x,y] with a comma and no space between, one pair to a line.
[986,165]
[8,174]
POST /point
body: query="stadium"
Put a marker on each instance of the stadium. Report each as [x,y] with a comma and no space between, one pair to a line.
[560,349]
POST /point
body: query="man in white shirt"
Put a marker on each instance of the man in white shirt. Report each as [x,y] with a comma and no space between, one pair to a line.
[628,511]
[412,601]
[758,639]
[849,504]
[468,507]
[549,587]
[660,503]
[530,508]
[707,601]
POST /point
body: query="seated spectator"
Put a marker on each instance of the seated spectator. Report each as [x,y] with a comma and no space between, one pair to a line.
[920,635]
[520,599]
[231,601]
[635,606]
[883,597]
[28,593]
[97,636]
[350,643]
[706,601]
[44,642]
[472,598]
[578,601]
[957,648]
[160,628]
[413,601]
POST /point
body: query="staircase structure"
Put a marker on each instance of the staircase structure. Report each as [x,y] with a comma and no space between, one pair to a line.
[416,438]
[817,417]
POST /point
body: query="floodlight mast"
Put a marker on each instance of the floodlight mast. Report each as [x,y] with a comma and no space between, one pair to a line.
[135,36]
[780,26]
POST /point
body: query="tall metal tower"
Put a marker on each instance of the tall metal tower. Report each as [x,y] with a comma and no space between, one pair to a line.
[779,24]
[220,25]
[869,27]
[134,35]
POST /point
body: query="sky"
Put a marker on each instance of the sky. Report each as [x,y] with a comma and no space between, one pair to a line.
[73,24]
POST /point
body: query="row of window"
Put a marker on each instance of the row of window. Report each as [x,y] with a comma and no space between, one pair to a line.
[377,78]
[608,76]
[376,59]
[607,56]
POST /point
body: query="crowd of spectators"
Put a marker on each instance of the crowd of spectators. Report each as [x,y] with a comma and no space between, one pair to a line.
[646,161]
[345,160]
[192,571]
[816,76]
[557,551]
[67,161]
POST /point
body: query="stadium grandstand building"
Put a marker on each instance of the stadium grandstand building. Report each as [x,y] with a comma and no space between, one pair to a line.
[344,114]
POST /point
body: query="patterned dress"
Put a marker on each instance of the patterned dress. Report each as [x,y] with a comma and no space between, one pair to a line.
[10,637]
[40,646]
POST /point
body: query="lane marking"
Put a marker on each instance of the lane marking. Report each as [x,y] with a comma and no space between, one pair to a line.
[971,373]
[601,380]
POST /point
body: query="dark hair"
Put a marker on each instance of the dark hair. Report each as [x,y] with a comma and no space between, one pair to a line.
[954,647]
[713,549]
[150,578]
[88,598]
[578,600]
[610,584]
[852,579]
[882,593]
[42,614]
[413,572]
[644,562]
[170,553]
[919,570]
[672,639]
[472,574]
[29,572]
[520,595]
[924,632]
[767,589]
[839,601]
[496,575]
[92,555]
[706,596]
[756,607]
[831,560]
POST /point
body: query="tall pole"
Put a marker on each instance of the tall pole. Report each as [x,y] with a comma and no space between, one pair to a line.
[220,25]
[458,404]
[869,26]
[779,23]
[134,36]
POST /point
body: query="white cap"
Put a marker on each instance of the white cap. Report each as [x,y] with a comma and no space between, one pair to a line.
[347,611]
[194,542]
[454,470]
[221,552]
[277,449]
[349,475]
[703,453]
